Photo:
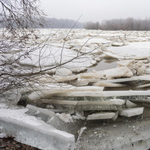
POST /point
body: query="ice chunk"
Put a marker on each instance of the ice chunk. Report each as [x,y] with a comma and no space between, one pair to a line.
[137,96]
[130,104]
[55,91]
[88,88]
[134,78]
[109,73]
[113,104]
[131,112]
[32,131]
[41,113]
[118,72]
[107,84]
[102,115]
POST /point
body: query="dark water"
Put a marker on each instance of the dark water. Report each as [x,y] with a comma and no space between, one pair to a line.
[103,65]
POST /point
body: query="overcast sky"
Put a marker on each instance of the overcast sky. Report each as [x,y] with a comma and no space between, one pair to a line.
[96,10]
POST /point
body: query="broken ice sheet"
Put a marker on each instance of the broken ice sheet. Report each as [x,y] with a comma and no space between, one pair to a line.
[32,131]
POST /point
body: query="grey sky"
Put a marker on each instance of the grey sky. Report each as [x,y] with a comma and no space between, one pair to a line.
[96,10]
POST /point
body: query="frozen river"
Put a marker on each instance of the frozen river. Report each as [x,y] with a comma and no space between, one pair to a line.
[82,80]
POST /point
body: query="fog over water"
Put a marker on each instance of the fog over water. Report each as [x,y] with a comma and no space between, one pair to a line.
[96,10]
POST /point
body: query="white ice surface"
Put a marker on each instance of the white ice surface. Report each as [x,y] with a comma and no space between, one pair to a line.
[49,56]
[53,56]
[131,112]
[133,49]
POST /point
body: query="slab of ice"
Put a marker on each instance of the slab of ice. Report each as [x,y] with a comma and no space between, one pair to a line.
[105,93]
[32,131]
[44,114]
[107,84]
[109,73]
[88,88]
[116,72]
[102,115]
[113,104]
[131,112]
[54,91]
[134,78]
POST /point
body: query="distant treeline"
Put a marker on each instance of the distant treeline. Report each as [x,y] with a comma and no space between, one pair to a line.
[62,23]
[51,23]
[120,24]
